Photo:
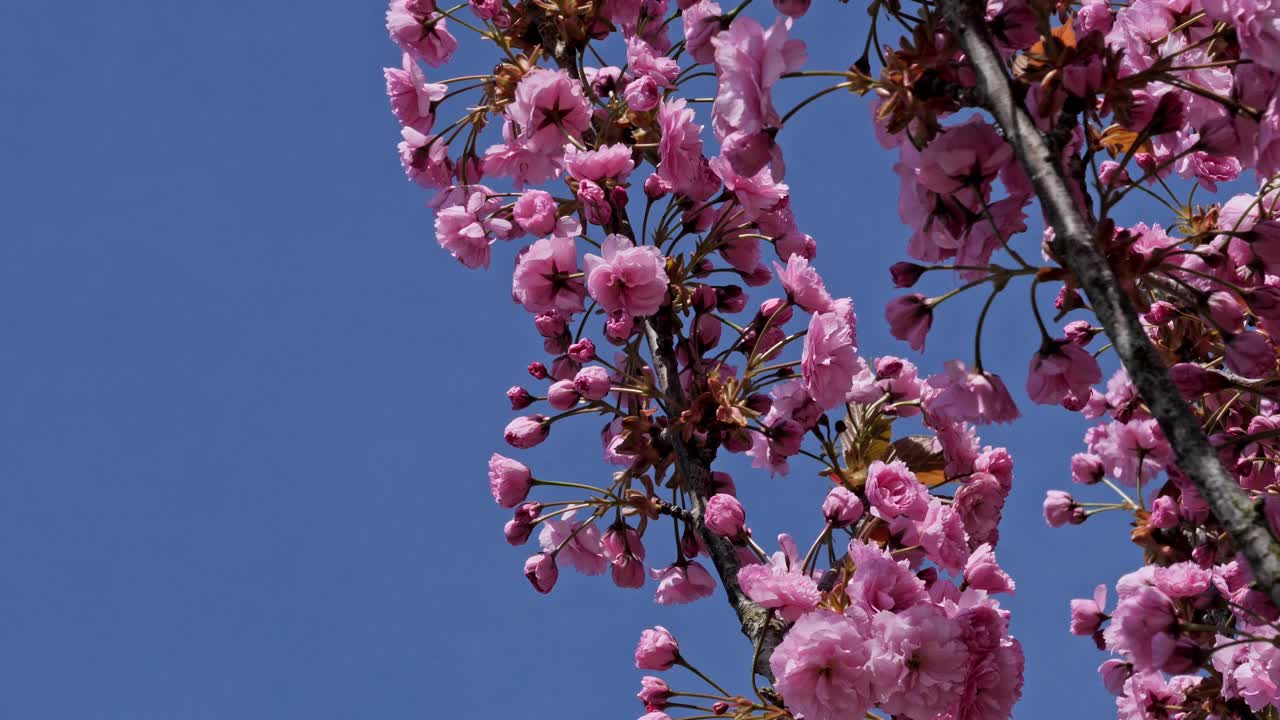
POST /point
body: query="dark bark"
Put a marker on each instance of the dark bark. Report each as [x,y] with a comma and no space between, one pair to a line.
[1074,245]
[694,468]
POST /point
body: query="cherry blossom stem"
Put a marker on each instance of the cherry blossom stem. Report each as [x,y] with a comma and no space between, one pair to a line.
[687,666]
[694,466]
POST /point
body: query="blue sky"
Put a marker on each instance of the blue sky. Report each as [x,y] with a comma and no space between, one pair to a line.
[247,401]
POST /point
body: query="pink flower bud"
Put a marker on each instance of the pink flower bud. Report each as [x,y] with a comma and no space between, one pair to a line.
[775,311]
[592,382]
[720,707]
[642,95]
[535,212]
[1164,513]
[654,693]
[704,298]
[550,324]
[1250,354]
[841,507]
[731,299]
[538,370]
[526,432]
[910,318]
[509,480]
[1086,469]
[658,650]
[519,527]
[1226,311]
[618,326]
[888,367]
[1110,174]
[655,187]
[905,274]
[795,243]
[1080,332]
[1059,508]
[542,572]
[519,397]
[583,351]
[725,516]
[1161,312]
[1191,379]
[562,395]
[1114,674]
[1087,614]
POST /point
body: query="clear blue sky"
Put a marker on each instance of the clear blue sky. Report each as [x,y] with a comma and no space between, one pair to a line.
[247,401]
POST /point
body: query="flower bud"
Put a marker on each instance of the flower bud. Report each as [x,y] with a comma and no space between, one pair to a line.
[1164,513]
[1059,509]
[1250,354]
[528,431]
[562,395]
[509,480]
[775,311]
[618,326]
[519,527]
[550,324]
[658,649]
[654,693]
[888,367]
[583,351]
[1086,469]
[542,572]
[1080,332]
[592,382]
[519,397]
[725,516]
[841,507]
[905,274]
[1161,312]
[730,299]
[538,370]
[720,707]
[655,187]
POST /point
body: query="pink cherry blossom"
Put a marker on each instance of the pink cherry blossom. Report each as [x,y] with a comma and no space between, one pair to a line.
[682,583]
[625,277]
[910,317]
[412,96]
[1060,369]
[657,649]
[829,359]
[893,490]
[578,543]
[509,480]
[918,661]
[1087,614]
[421,31]
[820,667]
[803,285]
[981,571]
[543,278]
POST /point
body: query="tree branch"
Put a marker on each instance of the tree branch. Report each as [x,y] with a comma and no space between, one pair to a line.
[1074,244]
[694,466]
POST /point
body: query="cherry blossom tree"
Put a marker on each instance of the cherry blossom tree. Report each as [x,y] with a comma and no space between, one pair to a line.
[682,314]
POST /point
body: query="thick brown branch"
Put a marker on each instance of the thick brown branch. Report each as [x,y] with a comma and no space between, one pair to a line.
[1074,245]
[694,466]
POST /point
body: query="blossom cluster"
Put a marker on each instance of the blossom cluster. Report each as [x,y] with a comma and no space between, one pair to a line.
[641,255]
[1157,99]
